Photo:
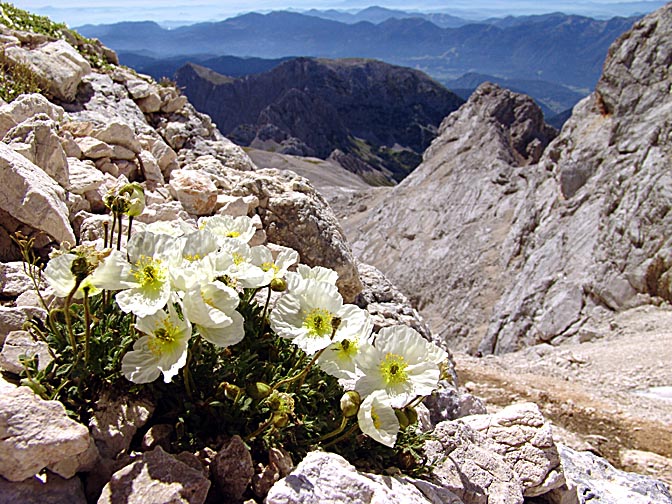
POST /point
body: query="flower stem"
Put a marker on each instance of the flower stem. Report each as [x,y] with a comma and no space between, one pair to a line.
[261,429]
[341,438]
[68,319]
[120,232]
[300,375]
[335,432]
[87,323]
[130,225]
[263,315]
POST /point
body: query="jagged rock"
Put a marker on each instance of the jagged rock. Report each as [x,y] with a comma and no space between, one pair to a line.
[32,197]
[115,420]
[54,490]
[592,232]
[25,107]
[645,462]
[158,435]
[35,433]
[524,439]
[449,403]
[385,303]
[118,133]
[232,469]
[327,477]
[37,141]
[474,471]
[58,67]
[13,279]
[13,318]
[195,190]
[84,176]
[82,462]
[22,343]
[592,479]
[156,478]
[93,148]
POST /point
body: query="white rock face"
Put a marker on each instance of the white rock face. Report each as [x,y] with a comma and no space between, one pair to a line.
[327,477]
[35,433]
[27,106]
[195,190]
[57,65]
[32,197]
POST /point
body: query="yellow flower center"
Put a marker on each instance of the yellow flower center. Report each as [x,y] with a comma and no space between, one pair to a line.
[270,266]
[238,259]
[192,257]
[318,323]
[393,368]
[148,272]
[346,349]
[163,338]
[375,418]
[232,234]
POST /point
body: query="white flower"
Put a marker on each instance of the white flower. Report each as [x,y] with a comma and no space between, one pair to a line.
[314,316]
[110,273]
[226,227]
[376,419]
[174,228]
[195,268]
[163,348]
[234,261]
[152,257]
[399,363]
[339,358]
[262,257]
[212,308]
[303,272]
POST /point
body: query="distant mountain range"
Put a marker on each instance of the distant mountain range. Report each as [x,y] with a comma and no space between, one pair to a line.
[373,118]
[566,50]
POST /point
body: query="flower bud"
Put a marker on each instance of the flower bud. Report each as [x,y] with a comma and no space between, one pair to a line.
[135,195]
[228,390]
[278,285]
[350,402]
[403,418]
[280,419]
[80,268]
[412,415]
[258,390]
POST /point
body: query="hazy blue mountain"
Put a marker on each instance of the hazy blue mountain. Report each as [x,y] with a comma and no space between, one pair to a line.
[226,65]
[564,49]
[552,98]
[377,115]
[377,15]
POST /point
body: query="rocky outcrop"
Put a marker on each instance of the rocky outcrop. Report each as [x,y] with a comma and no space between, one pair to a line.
[311,107]
[503,247]
[440,232]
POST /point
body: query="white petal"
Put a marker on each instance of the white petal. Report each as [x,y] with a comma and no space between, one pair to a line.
[377,419]
[225,336]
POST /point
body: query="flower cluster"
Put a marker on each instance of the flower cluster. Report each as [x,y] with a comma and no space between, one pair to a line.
[183,283]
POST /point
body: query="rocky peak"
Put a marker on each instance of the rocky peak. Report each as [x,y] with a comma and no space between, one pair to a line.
[440,229]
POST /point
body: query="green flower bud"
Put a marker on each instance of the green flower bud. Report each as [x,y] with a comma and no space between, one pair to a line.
[278,285]
[350,402]
[280,419]
[403,418]
[135,195]
[228,390]
[412,415]
[258,390]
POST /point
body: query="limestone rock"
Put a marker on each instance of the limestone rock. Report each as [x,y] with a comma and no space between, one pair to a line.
[327,477]
[449,403]
[21,344]
[37,141]
[156,478]
[439,232]
[24,107]
[592,479]
[93,148]
[57,65]
[525,440]
[13,279]
[232,469]
[55,490]
[474,471]
[84,176]
[13,318]
[195,190]
[117,133]
[32,197]
[82,462]
[35,433]
[115,420]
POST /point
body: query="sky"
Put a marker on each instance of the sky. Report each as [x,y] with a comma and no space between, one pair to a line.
[173,12]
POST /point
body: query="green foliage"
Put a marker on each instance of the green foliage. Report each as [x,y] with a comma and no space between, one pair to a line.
[15,80]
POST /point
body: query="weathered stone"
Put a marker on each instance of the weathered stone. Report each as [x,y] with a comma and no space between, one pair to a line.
[326,477]
[524,439]
[50,489]
[232,469]
[82,462]
[195,190]
[13,279]
[37,141]
[449,403]
[150,103]
[592,479]
[156,478]
[151,168]
[158,435]
[84,176]
[474,471]
[24,107]
[648,463]
[93,148]
[138,88]
[120,152]
[231,205]
[21,344]
[58,67]
[32,197]
[224,150]
[117,133]
[12,319]
[69,145]
[115,420]
[35,433]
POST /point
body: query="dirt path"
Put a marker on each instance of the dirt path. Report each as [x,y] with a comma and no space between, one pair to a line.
[608,396]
